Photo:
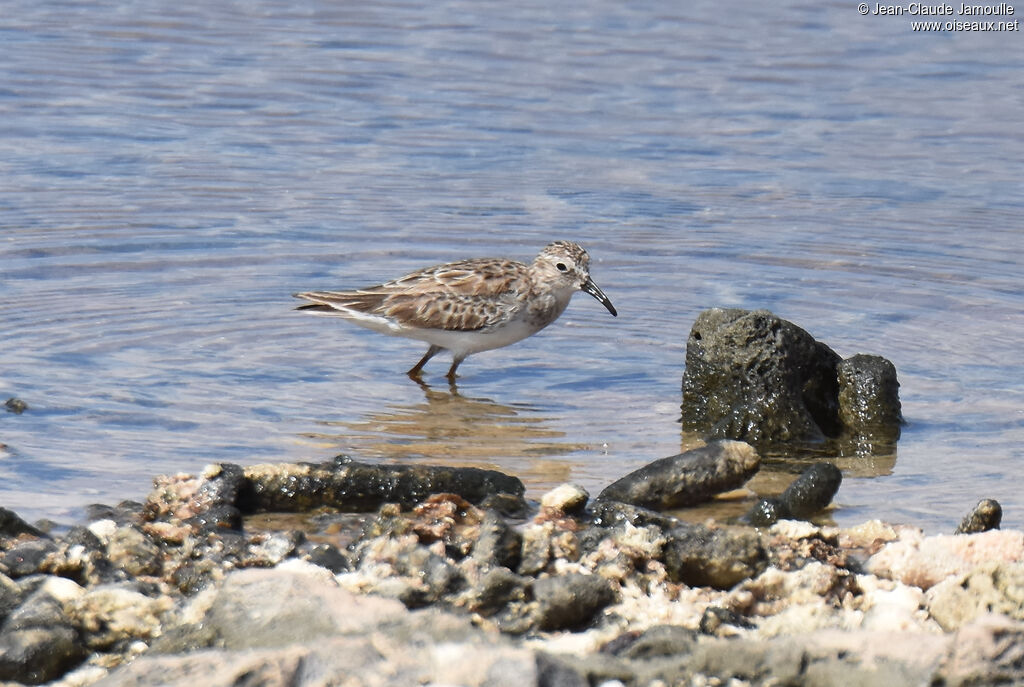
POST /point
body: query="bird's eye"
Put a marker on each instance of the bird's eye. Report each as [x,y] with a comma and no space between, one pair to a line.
[561,267]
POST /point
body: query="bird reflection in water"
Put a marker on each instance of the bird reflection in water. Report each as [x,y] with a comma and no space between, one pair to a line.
[448,428]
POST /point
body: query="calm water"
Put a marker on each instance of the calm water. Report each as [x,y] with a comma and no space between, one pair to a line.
[170,174]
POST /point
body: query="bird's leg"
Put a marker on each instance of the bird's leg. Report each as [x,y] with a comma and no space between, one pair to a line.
[418,367]
[451,370]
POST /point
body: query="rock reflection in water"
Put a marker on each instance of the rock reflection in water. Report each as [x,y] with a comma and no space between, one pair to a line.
[451,429]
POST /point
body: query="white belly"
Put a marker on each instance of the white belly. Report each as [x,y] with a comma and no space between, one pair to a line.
[460,343]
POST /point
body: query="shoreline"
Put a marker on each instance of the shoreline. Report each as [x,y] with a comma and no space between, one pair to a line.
[423,586]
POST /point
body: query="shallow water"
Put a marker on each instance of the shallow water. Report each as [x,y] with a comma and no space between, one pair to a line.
[170,174]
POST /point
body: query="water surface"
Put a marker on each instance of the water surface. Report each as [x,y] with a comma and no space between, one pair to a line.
[170,174]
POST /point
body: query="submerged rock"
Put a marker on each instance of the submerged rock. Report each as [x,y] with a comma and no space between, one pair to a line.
[755,377]
[15,405]
[688,478]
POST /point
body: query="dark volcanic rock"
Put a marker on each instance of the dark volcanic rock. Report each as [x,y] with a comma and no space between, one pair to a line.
[986,516]
[571,601]
[616,513]
[688,478]
[700,556]
[809,493]
[753,376]
[767,511]
[813,490]
[348,485]
[869,402]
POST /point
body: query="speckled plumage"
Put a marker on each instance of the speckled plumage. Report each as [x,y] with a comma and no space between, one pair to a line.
[470,305]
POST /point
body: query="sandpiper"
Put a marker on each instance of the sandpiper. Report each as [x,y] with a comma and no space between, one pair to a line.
[468,306]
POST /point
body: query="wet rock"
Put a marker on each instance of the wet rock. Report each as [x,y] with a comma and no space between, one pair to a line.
[509,505]
[688,478]
[571,601]
[15,405]
[349,485]
[869,403]
[767,511]
[222,482]
[215,518]
[11,525]
[27,557]
[985,516]
[808,494]
[615,513]
[700,556]
[813,490]
[755,377]
[498,543]
[990,588]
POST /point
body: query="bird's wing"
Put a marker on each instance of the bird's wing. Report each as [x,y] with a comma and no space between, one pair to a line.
[462,296]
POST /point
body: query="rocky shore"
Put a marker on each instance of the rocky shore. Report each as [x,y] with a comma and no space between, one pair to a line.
[432,588]
[348,573]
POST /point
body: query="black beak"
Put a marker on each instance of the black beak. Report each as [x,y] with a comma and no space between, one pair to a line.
[590,287]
